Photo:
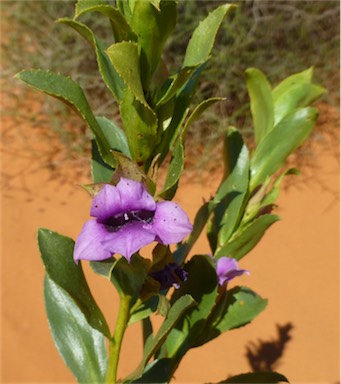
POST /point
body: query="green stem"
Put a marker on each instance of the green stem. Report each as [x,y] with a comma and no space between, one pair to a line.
[116,343]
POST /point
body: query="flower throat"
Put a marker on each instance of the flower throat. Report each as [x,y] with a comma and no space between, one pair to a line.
[116,222]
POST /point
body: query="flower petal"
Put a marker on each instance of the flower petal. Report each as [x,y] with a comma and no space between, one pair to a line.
[129,239]
[134,196]
[106,203]
[171,223]
[88,244]
[227,269]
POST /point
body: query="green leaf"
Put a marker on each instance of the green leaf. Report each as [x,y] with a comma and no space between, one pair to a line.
[125,57]
[273,194]
[109,74]
[129,278]
[101,172]
[121,28]
[180,111]
[140,125]
[286,85]
[152,23]
[174,314]
[201,43]
[198,110]
[82,6]
[257,377]
[239,306]
[71,93]
[175,169]
[115,136]
[144,310]
[103,268]
[57,255]
[158,371]
[81,347]
[272,152]
[262,107]
[246,238]
[117,141]
[230,196]
[202,285]
[299,95]
[176,83]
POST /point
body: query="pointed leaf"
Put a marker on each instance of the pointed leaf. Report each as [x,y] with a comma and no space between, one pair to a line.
[285,85]
[125,57]
[262,107]
[197,112]
[297,96]
[109,74]
[176,83]
[152,23]
[81,347]
[246,238]
[273,151]
[121,29]
[175,169]
[144,310]
[232,191]
[202,285]
[71,93]
[174,314]
[240,306]
[57,254]
[201,43]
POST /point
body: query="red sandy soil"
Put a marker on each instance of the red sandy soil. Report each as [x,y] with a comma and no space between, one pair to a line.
[296,266]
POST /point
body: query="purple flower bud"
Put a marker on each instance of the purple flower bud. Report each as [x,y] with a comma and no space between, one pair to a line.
[171,275]
[227,269]
[127,219]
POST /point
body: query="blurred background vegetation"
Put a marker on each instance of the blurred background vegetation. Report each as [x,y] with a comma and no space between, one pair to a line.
[278,37]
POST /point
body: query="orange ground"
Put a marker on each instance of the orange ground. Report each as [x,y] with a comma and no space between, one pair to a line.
[296,266]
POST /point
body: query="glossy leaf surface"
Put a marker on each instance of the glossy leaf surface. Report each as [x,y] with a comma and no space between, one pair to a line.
[231,193]
[57,254]
[246,237]
[81,346]
[239,306]
[262,107]
[272,152]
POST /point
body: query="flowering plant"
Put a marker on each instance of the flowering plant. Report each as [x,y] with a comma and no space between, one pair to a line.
[130,210]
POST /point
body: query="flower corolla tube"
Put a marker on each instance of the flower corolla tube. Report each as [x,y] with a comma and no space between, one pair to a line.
[126,219]
[227,269]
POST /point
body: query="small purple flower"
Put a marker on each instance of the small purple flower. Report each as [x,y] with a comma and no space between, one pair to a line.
[171,275]
[127,219]
[227,269]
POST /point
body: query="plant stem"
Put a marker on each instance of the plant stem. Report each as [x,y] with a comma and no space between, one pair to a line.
[116,343]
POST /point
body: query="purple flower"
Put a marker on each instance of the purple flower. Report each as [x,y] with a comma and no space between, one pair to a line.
[127,219]
[170,275]
[227,269]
